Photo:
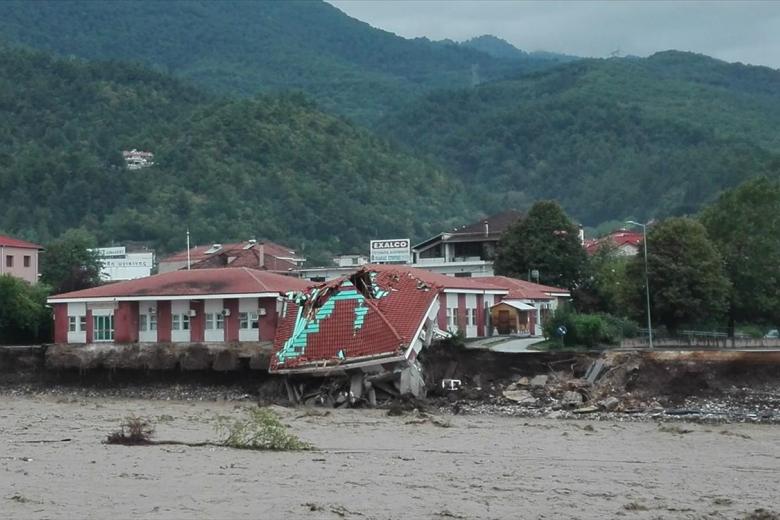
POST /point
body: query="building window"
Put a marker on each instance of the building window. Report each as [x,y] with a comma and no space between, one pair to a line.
[103,328]
[179,322]
[220,321]
[9,261]
[209,321]
[77,323]
[142,323]
[152,322]
[452,317]
[82,323]
[247,320]
[27,260]
[472,314]
[72,323]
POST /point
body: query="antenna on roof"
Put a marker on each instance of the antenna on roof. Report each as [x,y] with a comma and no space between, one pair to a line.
[188,248]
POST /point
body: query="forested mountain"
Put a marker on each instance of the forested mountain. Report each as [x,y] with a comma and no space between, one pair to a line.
[270,167]
[499,48]
[245,47]
[608,138]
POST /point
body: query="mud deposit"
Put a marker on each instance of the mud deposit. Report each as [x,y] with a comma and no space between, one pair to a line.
[367,464]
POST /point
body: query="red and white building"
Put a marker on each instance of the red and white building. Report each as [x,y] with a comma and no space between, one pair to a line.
[625,243]
[200,305]
[19,258]
[264,255]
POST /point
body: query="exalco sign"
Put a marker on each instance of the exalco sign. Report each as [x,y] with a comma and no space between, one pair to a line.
[393,250]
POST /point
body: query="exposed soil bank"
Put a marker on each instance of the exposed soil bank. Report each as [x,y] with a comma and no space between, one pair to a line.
[370,465]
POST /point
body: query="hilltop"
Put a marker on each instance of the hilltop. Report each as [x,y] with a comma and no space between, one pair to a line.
[245,48]
[608,138]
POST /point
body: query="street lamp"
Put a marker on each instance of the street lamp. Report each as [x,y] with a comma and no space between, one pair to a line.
[647,282]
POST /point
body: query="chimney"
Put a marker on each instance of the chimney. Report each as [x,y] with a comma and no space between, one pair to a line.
[487,228]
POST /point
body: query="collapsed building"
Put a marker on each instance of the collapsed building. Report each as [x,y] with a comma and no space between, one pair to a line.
[372,325]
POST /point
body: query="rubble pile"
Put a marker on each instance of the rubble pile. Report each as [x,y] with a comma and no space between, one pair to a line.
[629,386]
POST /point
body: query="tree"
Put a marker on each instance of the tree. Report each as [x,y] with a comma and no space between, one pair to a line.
[24,317]
[687,281]
[544,240]
[68,264]
[603,279]
[744,224]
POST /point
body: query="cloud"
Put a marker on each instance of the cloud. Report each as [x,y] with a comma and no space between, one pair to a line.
[746,31]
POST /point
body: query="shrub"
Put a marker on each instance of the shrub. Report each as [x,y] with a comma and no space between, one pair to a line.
[133,431]
[589,330]
[262,430]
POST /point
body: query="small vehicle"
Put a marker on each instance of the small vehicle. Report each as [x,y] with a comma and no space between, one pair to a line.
[773,334]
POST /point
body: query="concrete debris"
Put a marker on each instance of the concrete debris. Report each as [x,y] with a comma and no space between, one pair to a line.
[609,404]
[571,399]
[519,396]
[539,380]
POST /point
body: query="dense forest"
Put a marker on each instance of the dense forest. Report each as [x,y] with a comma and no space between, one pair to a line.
[294,122]
[344,64]
[270,167]
[610,139]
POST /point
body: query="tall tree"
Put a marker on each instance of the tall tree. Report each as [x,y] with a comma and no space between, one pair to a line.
[744,224]
[687,281]
[24,317]
[68,264]
[545,240]
[602,282]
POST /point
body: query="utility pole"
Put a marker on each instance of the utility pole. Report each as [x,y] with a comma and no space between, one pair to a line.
[647,280]
[188,249]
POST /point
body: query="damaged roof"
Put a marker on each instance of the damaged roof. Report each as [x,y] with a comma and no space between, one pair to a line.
[377,312]
[197,282]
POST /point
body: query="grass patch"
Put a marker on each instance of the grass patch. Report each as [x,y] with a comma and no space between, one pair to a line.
[132,432]
[262,430]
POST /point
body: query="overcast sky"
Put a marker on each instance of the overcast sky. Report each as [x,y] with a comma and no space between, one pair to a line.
[746,31]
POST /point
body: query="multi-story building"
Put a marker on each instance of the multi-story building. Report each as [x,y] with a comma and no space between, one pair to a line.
[19,258]
[467,251]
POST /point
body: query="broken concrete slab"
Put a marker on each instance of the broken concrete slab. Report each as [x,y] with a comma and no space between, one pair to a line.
[609,404]
[519,396]
[539,380]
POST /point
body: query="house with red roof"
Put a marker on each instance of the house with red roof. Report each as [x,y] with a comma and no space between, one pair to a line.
[467,250]
[254,254]
[19,258]
[379,314]
[624,242]
[526,307]
[190,306]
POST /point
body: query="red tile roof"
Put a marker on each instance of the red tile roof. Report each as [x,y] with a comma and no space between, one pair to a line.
[522,289]
[198,253]
[6,241]
[340,324]
[618,238]
[195,282]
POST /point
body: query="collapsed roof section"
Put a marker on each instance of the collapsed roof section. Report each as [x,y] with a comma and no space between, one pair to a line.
[373,317]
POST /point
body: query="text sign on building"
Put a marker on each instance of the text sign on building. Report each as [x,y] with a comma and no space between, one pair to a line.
[394,250]
[110,251]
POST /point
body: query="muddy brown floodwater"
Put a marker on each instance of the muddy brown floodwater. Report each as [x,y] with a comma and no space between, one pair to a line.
[370,465]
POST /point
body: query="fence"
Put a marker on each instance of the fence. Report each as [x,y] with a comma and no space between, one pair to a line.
[699,339]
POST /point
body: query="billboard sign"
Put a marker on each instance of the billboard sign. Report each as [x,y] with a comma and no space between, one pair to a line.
[397,250]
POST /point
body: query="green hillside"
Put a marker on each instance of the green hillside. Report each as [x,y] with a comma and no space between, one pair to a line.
[608,138]
[246,47]
[270,167]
